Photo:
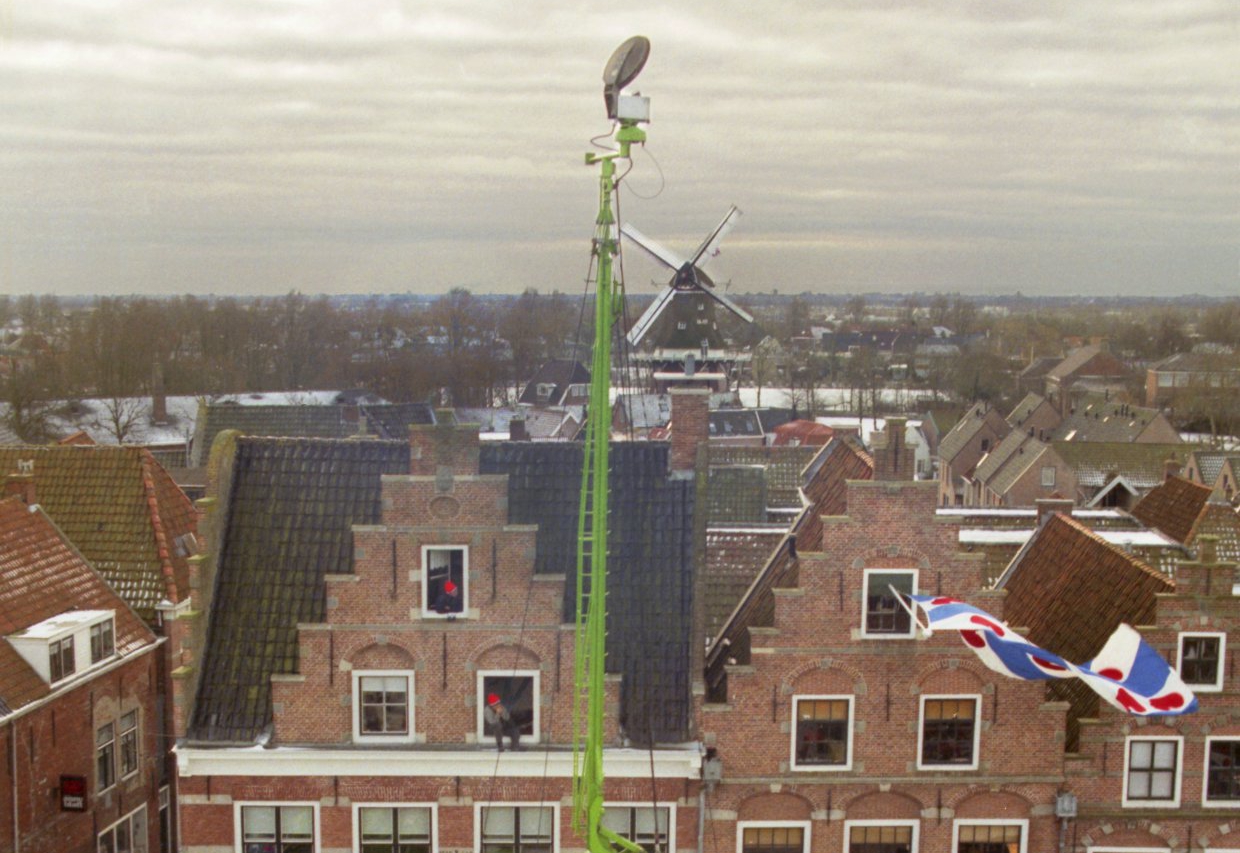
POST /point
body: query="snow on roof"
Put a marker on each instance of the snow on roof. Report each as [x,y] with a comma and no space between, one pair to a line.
[1019,536]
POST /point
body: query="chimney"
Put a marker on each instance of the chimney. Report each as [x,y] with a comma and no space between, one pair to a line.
[443,449]
[1049,506]
[690,425]
[159,400]
[892,458]
[517,431]
[20,483]
[1171,468]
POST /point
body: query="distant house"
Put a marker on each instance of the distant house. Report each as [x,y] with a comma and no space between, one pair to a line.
[1035,416]
[1186,511]
[1098,418]
[1174,376]
[560,382]
[1089,369]
[1118,473]
[974,435]
[1018,472]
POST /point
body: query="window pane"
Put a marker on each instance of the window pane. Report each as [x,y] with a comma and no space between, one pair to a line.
[258,823]
[616,818]
[1164,754]
[296,822]
[1142,754]
[1161,786]
[375,824]
[139,831]
[498,824]
[535,823]
[414,824]
[884,614]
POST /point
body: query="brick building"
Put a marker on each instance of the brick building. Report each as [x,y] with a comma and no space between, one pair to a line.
[79,722]
[837,727]
[336,709]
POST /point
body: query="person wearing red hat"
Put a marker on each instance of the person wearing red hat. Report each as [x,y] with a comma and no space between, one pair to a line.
[500,721]
[449,600]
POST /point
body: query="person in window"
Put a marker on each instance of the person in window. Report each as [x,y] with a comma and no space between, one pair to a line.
[500,721]
[449,600]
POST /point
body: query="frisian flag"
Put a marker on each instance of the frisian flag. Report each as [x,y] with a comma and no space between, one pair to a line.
[1127,673]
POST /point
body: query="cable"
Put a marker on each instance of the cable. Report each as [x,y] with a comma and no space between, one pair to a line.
[662,178]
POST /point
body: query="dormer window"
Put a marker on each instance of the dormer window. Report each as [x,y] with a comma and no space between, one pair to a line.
[61,658]
[102,641]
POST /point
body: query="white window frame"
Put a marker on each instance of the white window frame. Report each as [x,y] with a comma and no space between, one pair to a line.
[1089,848]
[1174,802]
[1023,823]
[317,838]
[865,604]
[480,693]
[120,734]
[410,736]
[742,825]
[1048,473]
[1221,636]
[357,819]
[1206,802]
[555,819]
[977,732]
[134,848]
[110,747]
[428,606]
[670,845]
[915,824]
[852,719]
[110,624]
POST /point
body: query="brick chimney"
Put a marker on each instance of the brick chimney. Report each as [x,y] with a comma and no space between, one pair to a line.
[445,448]
[20,483]
[517,431]
[1049,506]
[690,425]
[159,399]
[1171,468]
[893,460]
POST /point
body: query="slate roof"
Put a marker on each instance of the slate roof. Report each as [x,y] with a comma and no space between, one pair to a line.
[734,557]
[736,494]
[963,432]
[288,522]
[734,423]
[561,373]
[783,467]
[1221,521]
[1076,360]
[1173,507]
[312,420]
[1096,462]
[1016,443]
[1097,419]
[1028,452]
[1210,464]
[650,567]
[122,510]
[1025,408]
[41,576]
[1071,590]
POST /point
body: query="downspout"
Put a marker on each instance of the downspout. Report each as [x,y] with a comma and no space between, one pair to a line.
[17,835]
[701,833]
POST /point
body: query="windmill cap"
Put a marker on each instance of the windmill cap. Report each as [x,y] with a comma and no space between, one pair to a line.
[449,587]
[492,699]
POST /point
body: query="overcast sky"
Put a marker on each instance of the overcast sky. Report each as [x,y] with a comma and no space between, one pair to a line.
[355,146]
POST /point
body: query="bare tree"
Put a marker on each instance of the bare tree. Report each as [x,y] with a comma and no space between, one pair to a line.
[121,416]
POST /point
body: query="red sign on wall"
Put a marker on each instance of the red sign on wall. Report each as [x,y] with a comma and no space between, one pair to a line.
[73,793]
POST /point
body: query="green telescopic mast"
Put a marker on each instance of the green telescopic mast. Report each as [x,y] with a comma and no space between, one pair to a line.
[591,593]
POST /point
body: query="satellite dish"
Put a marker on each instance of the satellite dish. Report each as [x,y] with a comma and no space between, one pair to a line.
[622,69]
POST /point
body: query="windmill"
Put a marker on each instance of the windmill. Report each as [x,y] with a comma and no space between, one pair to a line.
[682,317]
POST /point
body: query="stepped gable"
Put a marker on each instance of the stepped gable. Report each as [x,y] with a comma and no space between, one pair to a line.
[121,509]
[287,523]
[1173,507]
[650,565]
[1219,520]
[826,477]
[41,576]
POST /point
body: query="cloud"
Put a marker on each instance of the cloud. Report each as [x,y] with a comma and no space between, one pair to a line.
[393,145]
